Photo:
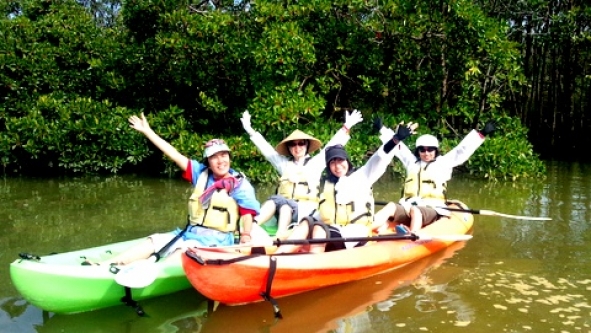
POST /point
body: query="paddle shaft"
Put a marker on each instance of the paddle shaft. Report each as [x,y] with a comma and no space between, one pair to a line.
[159,253]
[483,212]
[344,239]
[413,237]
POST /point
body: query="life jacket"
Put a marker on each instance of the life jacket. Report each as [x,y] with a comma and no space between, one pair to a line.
[342,214]
[221,213]
[422,184]
[299,189]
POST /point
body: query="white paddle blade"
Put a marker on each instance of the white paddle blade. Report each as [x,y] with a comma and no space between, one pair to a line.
[517,217]
[446,238]
[139,274]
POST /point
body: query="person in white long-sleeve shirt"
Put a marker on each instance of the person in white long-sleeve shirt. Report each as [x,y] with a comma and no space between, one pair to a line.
[297,191]
[427,174]
[346,206]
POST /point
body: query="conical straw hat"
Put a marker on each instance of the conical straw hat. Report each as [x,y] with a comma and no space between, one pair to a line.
[313,143]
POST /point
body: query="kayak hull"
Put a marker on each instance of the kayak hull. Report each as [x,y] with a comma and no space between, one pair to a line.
[240,281]
[59,283]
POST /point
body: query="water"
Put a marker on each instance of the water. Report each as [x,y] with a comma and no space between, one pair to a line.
[513,276]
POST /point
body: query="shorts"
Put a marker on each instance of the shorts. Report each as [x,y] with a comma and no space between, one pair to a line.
[280,201]
[430,215]
[195,236]
[336,232]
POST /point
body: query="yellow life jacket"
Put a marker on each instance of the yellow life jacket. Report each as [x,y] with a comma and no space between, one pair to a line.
[342,214]
[220,214]
[422,184]
[298,189]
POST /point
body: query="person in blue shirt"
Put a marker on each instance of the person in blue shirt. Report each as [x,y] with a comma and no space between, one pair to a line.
[222,202]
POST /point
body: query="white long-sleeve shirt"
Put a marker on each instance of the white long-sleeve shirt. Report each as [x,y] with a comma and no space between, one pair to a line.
[444,164]
[312,169]
[442,167]
[356,187]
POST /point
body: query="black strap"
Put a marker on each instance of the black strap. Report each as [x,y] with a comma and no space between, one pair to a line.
[266,295]
[358,217]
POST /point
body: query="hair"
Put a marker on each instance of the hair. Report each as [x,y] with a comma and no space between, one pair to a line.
[330,176]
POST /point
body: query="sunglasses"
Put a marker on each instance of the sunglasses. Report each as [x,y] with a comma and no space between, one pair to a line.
[214,142]
[296,143]
[429,149]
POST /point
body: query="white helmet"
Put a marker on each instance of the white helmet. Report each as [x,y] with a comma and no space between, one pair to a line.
[427,140]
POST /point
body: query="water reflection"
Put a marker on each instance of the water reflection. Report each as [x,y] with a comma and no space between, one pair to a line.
[514,276]
[343,308]
[179,312]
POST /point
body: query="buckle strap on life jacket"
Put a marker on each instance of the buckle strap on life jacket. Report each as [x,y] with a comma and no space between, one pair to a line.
[266,295]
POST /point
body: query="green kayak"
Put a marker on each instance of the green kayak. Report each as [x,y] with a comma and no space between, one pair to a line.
[59,283]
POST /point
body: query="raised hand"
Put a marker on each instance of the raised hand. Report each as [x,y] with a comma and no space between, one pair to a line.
[139,124]
[352,118]
[404,131]
[489,127]
[377,125]
[246,123]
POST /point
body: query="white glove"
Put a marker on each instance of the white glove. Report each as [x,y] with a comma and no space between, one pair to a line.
[352,118]
[386,134]
[246,123]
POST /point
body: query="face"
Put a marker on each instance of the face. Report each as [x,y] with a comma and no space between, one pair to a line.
[427,154]
[297,148]
[339,167]
[219,164]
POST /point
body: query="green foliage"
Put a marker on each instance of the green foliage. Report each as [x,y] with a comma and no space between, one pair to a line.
[80,136]
[70,76]
[506,154]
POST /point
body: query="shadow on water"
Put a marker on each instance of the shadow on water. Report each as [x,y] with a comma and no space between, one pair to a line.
[171,313]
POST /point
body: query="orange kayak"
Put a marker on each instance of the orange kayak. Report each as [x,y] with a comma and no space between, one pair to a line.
[234,278]
[323,308]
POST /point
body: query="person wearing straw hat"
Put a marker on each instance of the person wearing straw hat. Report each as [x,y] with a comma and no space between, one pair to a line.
[297,191]
[427,174]
[346,207]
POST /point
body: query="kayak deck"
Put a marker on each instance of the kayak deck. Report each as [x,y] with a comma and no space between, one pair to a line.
[59,283]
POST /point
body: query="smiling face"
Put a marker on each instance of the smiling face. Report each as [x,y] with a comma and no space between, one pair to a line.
[219,164]
[338,167]
[298,148]
[427,154]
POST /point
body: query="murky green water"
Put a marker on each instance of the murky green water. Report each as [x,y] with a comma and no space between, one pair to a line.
[513,276]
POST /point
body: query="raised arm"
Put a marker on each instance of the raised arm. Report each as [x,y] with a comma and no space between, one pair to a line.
[141,125]
[341,137]
[277,160]
[466,148]
[375,167]
[393,142]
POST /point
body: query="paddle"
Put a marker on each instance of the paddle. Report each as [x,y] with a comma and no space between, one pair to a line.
[142,273]
[484,212]
[413,237]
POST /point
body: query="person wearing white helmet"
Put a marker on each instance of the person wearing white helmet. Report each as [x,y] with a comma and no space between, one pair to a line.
[427,174]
